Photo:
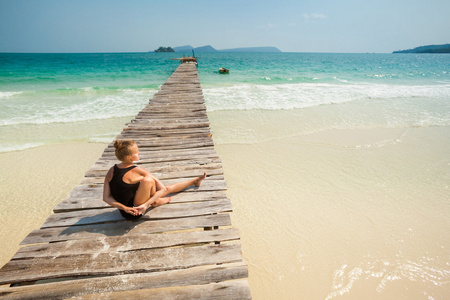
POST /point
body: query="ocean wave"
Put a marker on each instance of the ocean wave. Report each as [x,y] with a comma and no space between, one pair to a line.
[72,104]
[105,89]
[303,95]
[75,109]
[82,90]
[18,147]
[9,94]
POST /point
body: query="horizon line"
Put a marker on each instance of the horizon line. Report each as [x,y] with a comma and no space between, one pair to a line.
[220,51]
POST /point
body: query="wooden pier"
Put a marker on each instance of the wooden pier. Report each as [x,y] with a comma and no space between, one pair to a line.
[185,249]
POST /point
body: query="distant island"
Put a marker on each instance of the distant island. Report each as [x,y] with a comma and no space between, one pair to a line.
[209,48]
[164,49]
[427,49]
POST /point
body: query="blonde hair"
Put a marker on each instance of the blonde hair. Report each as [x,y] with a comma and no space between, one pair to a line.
[123,148]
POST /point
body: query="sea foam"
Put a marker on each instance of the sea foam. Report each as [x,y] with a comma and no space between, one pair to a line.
[74,105]
[303,95]
[9,94]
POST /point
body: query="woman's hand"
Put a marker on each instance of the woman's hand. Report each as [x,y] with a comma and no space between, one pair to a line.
[131,210]
[141,209]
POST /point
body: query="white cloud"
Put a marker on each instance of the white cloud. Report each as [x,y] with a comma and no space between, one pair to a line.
[267,26]
[308,17]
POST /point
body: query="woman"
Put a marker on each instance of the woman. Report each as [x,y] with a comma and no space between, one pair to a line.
[133,189]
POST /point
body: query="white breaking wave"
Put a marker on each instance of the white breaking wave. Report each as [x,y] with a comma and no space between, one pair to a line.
[72,109]
[303,95]
[8,94]
[18,147]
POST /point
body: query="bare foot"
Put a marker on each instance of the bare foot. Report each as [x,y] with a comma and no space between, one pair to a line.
[161,201]
[199,180]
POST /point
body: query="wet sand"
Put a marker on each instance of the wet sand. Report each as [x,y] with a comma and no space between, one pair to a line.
[332,214]
[344,214]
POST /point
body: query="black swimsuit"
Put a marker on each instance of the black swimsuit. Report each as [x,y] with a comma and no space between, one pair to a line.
[123,192]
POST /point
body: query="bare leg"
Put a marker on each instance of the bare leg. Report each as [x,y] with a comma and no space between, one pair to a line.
[161,201]
[146,189]
[179,186]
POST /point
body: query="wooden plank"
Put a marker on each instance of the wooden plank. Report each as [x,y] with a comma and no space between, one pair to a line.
[154,106]
[191,169]
[115,263]
[238,289]
[157,122]
[160,116]
[94,216]
[191,145]
[188,173]
[124,228]
[186,111]
[209,183]
[175,142]
[131,135]
[208,163]
[157,161]
[170,154]
[79,202]
[130,282]
[138,136]
[187,137]
[102,165]
[175,103]
[193,99]
[137,127]
[126,243]
[215,183]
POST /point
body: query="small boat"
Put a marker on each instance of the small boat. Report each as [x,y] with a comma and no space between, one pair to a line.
[224,71]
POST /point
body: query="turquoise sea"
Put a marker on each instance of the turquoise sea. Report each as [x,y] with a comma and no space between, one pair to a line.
[337,165]
[53,98]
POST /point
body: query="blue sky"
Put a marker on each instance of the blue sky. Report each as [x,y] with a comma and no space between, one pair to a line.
[350,26]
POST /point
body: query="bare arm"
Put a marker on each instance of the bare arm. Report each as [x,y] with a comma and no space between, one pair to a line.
[108,198]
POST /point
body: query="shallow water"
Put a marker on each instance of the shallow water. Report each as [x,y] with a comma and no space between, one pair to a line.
[54,98]
[343,214]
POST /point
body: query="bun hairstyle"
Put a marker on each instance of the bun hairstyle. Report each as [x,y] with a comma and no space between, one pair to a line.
[123,148]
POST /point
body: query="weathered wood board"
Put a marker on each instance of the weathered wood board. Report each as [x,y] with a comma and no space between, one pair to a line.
[186,249]
[198,276]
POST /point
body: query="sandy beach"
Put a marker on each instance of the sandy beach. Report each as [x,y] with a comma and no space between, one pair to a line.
[327,215]
[37,179]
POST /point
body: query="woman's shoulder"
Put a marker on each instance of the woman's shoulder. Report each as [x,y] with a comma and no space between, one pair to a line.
[110,173]
[140,170]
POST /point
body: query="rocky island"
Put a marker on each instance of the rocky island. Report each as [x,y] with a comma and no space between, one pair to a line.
[164,49]
[428,49]
[209,48]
